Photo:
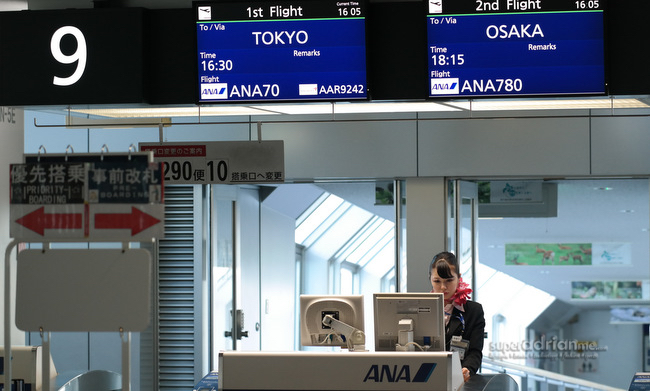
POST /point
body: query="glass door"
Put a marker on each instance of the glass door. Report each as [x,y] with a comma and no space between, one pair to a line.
[465,228]
[223,271]
[235,273]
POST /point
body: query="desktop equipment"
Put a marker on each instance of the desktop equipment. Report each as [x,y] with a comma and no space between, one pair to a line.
[338,321]
[27,368]
[332,320]
[406,321]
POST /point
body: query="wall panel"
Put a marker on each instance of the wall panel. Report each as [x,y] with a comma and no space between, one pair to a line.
[346,149]
[620,146]
[498,147]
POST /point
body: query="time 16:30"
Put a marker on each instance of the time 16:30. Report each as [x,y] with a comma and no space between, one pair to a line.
[216,65]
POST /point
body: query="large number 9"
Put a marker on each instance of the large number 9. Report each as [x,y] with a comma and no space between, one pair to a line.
[79,56]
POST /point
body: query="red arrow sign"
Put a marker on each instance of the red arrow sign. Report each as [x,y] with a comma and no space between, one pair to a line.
[137,221]
[38,221]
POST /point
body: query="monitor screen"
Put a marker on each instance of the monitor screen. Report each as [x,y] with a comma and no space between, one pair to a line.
[515,47]
[423,313]
[275,51]
[313,308]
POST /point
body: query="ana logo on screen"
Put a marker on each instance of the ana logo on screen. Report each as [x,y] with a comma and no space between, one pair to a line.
[214,91]
[444,86]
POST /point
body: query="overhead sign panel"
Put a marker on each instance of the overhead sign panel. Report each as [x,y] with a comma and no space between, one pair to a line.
[515,47]
[100,201]
[270,51]
[226,162]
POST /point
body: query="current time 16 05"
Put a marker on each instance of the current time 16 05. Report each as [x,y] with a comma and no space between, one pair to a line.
[353,11]
[587,4]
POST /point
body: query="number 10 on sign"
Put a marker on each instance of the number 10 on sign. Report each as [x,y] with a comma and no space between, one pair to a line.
[195,170]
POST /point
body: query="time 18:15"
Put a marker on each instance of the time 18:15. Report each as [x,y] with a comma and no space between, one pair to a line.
[445,60]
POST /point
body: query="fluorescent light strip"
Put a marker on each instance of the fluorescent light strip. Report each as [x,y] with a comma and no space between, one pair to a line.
[365,107]
[144,112]
[550,104]
[398,107]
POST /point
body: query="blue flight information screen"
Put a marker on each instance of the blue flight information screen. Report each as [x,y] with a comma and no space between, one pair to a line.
[281,51]
[502,48]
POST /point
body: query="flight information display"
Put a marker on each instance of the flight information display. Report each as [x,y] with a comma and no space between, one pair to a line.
[274,51]
[515,47]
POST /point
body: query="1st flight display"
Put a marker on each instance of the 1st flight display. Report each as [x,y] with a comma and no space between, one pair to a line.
[281,51]
[515,47]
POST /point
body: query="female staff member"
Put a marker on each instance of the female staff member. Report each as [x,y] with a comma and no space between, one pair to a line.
[464,320]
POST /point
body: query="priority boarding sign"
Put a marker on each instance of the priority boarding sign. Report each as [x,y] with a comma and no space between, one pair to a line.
[86,201]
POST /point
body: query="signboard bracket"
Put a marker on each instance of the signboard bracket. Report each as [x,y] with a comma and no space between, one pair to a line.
[7,303]
[125,335]
[87,197]
[45,360]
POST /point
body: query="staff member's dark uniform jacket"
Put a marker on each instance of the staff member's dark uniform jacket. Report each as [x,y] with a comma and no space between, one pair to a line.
[470,325]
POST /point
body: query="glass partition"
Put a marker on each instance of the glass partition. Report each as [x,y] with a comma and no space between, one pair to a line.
[555,257]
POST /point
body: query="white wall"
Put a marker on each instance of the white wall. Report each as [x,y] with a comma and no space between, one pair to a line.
[513,146]
[426,229]
[278,285]
[347,149]
[248,255]
[618,146]
[13,5]
[560,143]
[618,340]
[369,284]
[12,136]
[315,275]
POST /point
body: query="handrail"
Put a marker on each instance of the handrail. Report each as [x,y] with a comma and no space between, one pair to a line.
[544,376]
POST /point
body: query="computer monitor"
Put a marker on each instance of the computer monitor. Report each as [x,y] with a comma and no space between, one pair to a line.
[403,320]
[346,309]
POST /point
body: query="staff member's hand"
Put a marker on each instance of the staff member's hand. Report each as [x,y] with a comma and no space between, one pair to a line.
[465,374]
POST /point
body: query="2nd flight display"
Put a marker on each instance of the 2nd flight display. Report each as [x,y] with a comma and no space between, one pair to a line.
[515,47]
[273,51]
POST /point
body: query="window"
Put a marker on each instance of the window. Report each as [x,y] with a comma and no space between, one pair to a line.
[353,245]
